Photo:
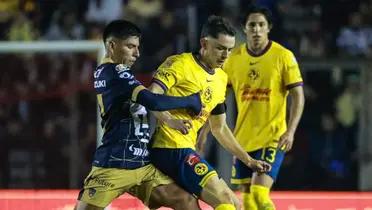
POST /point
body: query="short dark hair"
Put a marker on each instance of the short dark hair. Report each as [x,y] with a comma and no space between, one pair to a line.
[216,25]
[257,9]
[121,29]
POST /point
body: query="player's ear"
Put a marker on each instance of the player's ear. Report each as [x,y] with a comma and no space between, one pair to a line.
[203,42]
[111,45]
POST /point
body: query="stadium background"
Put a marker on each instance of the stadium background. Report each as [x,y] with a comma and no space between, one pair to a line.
[48,109]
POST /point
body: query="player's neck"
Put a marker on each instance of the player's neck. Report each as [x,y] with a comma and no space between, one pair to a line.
[202,60]
[107,59]
[259,49]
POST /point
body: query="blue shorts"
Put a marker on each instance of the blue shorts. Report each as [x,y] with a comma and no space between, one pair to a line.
[184,166]
[242,174]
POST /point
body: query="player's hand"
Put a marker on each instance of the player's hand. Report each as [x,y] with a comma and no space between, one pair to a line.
[286,141]
[182,126]
[259,166]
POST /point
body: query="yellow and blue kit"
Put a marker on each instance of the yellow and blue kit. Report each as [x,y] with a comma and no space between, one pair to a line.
[261,84]
[172,152]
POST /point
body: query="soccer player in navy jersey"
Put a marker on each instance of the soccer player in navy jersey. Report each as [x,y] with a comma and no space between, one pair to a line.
[121,163]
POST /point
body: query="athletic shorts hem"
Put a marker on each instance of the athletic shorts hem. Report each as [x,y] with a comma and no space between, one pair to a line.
[205,179]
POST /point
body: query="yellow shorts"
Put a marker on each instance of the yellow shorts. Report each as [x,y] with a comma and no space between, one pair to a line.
[103,185]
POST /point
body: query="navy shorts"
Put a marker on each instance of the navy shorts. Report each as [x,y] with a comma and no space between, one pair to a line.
[184,166]
[242,174]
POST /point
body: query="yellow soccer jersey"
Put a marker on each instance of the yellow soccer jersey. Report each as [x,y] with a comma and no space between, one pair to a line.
[261,84]
[182,75]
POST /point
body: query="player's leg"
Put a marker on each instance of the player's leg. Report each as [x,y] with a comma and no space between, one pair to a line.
[217,194]
[157,189]
[242,175]
[172,196]
[260,190]
[261,183]
[195,175]
[103,185]
[249,202]
[236,201]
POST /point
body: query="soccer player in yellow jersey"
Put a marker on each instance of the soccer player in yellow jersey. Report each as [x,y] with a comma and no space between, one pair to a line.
[262,74]
[174,153]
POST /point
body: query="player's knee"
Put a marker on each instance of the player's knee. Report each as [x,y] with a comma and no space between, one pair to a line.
[225,197]
[262,198]
[216,193]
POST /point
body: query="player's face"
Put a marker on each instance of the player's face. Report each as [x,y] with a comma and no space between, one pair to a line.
[257,30]
[217,50]
[126,51]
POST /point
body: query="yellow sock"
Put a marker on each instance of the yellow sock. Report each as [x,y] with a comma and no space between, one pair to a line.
[225,206]
[261,195]
[249,202]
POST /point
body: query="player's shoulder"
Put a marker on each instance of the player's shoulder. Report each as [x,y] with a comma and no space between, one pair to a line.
[113,70]
[278,48]
[238,50]
[177,62]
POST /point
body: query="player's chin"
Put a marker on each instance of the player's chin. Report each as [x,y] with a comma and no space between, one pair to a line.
[219,64]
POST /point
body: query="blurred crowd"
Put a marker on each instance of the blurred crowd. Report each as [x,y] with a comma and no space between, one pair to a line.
[47,100]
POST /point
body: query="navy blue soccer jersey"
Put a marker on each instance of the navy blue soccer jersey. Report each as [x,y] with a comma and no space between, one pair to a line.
[125,123]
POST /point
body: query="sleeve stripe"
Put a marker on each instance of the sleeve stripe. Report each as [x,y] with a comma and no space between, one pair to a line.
[136,91]
[162,85]
[290,86]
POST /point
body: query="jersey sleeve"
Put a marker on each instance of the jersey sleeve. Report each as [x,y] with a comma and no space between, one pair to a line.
[291,71]
[169,73]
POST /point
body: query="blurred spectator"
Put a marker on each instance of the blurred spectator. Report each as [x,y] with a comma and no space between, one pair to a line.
[349,102]
[159,43]
[22,29]
[103,11]
[348,105]
[365,9]
[312,43]
[64,26]
[8,10]
[140,11]
[353,38]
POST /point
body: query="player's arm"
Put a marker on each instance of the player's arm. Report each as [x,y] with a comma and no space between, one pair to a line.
[293,82]
[165,117]
[159,102]
[202,138]
[295,112]
[225,137]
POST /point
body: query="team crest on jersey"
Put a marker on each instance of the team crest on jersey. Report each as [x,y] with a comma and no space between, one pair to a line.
[121,67]
[207,95]
[92,192]
[201,169]
[253,74]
